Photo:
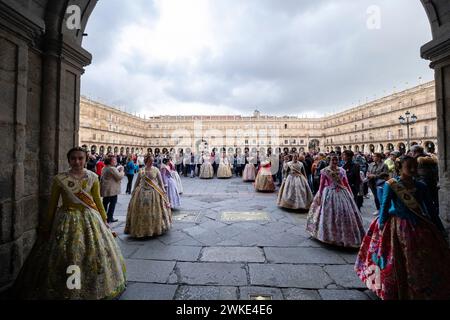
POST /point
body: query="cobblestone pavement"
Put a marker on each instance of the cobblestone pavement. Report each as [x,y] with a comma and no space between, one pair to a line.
[229,243]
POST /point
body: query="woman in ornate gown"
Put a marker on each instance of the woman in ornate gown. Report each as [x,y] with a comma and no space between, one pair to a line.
[76,256]
[176,177]
[249,174]
[149,212]
[264,180]
[206,170]
[404,254]
[295,192]
[224,171]
[170,184]
[334,217]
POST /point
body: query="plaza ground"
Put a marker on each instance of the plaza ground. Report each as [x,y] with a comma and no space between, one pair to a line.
[230,243]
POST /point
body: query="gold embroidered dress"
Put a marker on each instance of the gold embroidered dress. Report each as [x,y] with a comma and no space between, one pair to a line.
[295,192]
[224,171]
[79,240]
[149,212]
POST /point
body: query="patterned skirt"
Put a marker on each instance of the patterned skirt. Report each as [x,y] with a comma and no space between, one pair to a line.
[224,172]
[148,215]
[206,171]
[405,261]
[172,193]
[80,261]
[249,174]
[295,193]
[264,181]
[336,219]
[177,179]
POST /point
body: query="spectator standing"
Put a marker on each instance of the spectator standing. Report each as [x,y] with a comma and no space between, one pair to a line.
[110,184]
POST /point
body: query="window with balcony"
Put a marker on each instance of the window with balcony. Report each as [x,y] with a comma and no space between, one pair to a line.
[400,133]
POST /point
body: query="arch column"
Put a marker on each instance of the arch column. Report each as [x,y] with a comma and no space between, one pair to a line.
[438,52]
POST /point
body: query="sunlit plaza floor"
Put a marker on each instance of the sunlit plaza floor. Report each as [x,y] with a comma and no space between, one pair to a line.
[229,242]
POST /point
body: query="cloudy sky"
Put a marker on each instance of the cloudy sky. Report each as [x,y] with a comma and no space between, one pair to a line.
[283,57]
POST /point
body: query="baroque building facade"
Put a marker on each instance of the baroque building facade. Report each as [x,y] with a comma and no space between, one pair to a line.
[372,127]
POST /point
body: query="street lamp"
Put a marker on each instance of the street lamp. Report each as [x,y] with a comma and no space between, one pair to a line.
[408,120]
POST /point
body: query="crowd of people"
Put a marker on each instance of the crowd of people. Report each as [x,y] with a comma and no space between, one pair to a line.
[403,255]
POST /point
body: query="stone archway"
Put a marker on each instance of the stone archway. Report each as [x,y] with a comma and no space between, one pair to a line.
[430,147]
[314,145]
[46,58]
[390,147]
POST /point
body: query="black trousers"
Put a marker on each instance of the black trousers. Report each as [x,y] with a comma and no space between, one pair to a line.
[110,206]
[373,188]
[130,182]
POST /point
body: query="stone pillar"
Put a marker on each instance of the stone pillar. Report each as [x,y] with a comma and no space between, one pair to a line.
[62,69]
[20,74]
[438,51]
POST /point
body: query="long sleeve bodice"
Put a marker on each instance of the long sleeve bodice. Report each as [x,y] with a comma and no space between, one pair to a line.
[154,175]
[326,180]
[391,204]
[89,184]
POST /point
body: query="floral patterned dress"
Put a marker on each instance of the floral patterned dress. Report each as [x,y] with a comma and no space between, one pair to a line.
[149,213]
[295,192]
[206,169]
[264,180]
[404,255]
[80,244]
[224,171]
[334,217]
[249,174]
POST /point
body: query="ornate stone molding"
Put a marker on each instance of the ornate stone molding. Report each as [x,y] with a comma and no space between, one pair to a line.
[15,20]
[436,51]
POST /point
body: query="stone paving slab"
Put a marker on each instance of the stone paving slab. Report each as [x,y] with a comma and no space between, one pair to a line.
[282,240]
[302,256]
[300,294]
[289,276]
[226,274]
[206,293]
[246,293]
[149,271]
[164,252]
[297,266]
[149,291]
[232,254]
[343,295]
[173,236]
[345,276]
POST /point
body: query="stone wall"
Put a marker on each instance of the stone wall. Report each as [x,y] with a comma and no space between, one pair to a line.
[40,89]
[20,77]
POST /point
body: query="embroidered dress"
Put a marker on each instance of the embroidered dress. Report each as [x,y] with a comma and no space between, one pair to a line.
[335,219]
[206,170]
[170,186]
[295,192]
[249,174]
[407,257]
[264,180]
[177,178]
[79,243]
[149,212]
[224,171]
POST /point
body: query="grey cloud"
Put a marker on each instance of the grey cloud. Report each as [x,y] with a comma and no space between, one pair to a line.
[313,55]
